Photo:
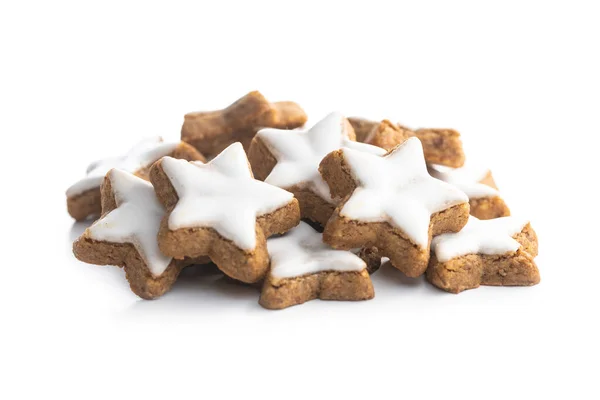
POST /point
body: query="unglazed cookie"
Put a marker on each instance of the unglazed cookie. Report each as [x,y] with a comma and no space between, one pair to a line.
[303,268]
[440,146]
[496,252]
[392,203]
[126,233]
[212,131]
[387,135]
[83,197]
[219,210]
[290,160]
[479,185]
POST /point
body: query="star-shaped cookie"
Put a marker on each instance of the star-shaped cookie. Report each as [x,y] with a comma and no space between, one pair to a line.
[440,146]
[126,235]
[290,160]
[212,131]
[496,252]
[218,209]
[83,197]
[304,268]
[478,184]
[391,203]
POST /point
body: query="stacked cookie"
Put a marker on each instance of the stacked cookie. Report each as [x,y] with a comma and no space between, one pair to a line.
[309,212]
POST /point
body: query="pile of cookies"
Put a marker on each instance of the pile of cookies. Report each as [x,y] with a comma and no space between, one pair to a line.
[310,213]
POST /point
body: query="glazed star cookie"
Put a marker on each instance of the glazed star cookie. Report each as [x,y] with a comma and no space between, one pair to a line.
[303,268]
[479,185]
[126,236]
[370,255]
[496,252]
[212,131]
[290,160]
[440,146]
[219,210]
[391,203]
[83,197]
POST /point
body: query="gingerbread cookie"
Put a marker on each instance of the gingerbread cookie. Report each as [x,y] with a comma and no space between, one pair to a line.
[212,131]
[391,203]
[83,197]
[362,127]
[219,210]
[496,252]
[126,236]
[479,185]
[387,135]
[383,134]
[440,146]
[303,268]
[290,160]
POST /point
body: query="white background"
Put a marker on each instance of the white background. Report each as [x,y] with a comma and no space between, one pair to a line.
[84,80]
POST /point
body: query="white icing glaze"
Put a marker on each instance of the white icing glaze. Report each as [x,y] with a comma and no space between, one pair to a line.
[140,156]
[397,189]
[465,178]
[301,251]
[135,220]
[491,237]
[299,152]
[222,195]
